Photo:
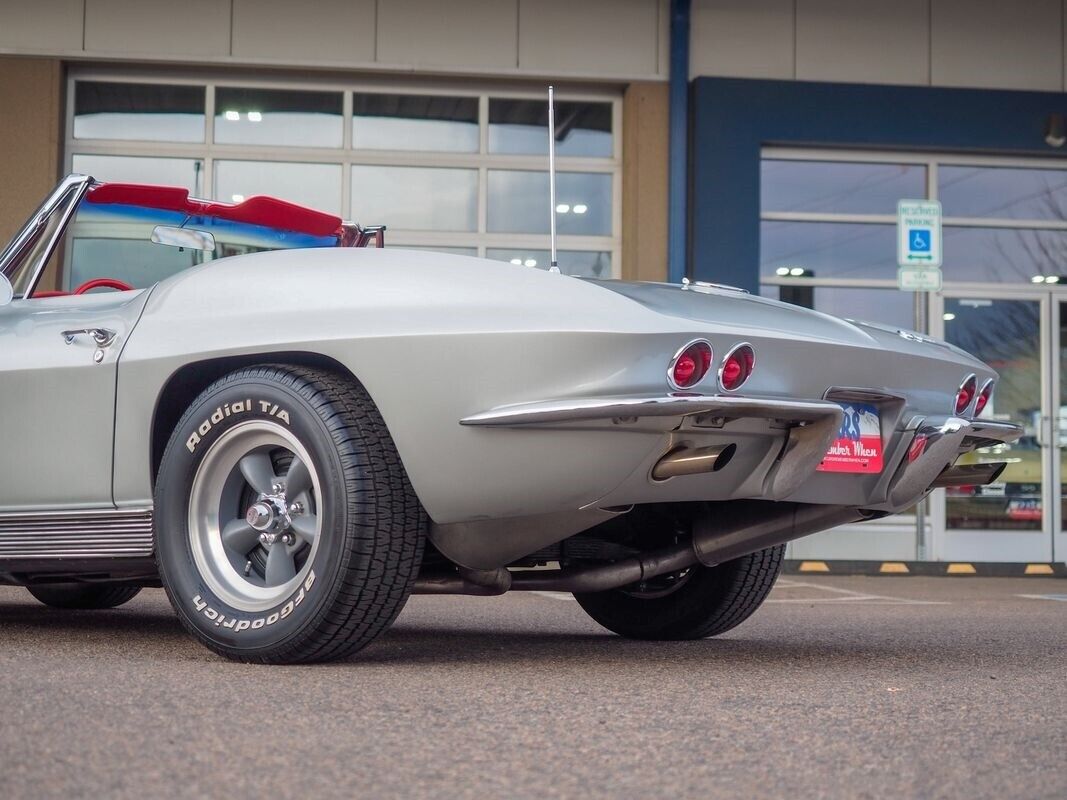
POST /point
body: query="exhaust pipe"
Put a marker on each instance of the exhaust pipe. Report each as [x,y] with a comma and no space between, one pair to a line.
[729,533]
[693,461]
[969,475]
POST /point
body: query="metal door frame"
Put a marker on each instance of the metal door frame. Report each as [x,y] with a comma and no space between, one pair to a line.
[989,544]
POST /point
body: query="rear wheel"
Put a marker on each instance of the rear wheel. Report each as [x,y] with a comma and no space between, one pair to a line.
[84,595]
[692,604]
[286,528]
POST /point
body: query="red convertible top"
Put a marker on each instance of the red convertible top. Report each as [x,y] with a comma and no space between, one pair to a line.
[269,212]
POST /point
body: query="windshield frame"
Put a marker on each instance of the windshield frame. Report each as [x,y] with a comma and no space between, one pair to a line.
[63,200]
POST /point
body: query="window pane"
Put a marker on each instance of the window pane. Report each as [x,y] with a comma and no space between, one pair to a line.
[581,263]
[129,111]
[315,185]
[114,240]
[278,117]
[521,127]
[1006,334]
[518,202]
[1003,255]
[1003,192]
[836,250]
[416,198]
[138,262]
[415,122]
[843,187]
[185,172]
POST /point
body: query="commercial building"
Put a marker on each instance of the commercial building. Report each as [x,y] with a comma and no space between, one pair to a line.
[760,143]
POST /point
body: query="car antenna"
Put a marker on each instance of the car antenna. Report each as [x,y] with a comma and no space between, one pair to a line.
[553,265]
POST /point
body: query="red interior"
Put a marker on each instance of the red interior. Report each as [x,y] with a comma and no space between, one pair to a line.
[269,212]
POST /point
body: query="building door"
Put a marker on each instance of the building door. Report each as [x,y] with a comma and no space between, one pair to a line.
[1022,334]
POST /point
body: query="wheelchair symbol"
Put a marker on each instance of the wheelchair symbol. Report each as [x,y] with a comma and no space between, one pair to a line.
[919,241]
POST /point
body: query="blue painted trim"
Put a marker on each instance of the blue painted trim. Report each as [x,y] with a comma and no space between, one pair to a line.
[678,158]
[733,118]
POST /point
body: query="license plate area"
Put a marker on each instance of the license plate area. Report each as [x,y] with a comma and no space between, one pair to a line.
[857,448]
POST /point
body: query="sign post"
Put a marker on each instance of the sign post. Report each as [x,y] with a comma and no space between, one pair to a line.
[919,270]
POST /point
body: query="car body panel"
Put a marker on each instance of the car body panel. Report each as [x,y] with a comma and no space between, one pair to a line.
[58,401]
[436,338]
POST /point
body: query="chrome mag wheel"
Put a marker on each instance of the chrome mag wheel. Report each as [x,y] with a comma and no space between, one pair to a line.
[253,515]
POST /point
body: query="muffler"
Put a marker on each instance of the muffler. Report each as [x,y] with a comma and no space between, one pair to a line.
[728,531]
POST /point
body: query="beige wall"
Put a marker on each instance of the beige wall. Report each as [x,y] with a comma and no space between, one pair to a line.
[987,44]
[31,110]
[644,182]
[587,39]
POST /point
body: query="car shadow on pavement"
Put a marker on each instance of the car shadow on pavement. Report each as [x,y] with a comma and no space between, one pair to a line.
[26,617]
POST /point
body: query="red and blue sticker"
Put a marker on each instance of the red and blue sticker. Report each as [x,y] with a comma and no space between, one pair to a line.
[858,446]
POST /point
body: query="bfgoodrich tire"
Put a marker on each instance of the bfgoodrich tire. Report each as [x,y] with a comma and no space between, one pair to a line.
[702,602]
[286,528]
[86,596]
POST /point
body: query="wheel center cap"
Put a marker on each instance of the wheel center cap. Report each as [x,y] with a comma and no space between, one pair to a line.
[260,516]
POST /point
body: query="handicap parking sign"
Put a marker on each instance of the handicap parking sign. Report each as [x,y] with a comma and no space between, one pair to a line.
[919,234]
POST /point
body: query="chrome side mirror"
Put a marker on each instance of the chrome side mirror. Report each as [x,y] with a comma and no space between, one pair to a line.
[7,293]
[183,237]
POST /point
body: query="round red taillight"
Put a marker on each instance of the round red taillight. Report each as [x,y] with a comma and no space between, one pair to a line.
[966,393]
[691,364]
[737,367]
[983,397]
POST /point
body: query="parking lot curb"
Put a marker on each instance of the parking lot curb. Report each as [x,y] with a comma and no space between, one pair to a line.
[954,568]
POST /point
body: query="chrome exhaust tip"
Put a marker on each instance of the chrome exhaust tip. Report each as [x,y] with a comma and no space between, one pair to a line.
[693,461]
[969,475]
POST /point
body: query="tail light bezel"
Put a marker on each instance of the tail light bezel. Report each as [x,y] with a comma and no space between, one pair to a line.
[971,379]
[985,394]
[726,359]
[702,374]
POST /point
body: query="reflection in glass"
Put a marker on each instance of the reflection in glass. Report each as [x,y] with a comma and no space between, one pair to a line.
[317,186]
[580,263]
[185,172]
[277,117]
[837,250]
[416,198]
[149,111]
[518,202]
[838,186]
[415,122]
[1003,192]
[1004,334]
[521,127]
[1003,255]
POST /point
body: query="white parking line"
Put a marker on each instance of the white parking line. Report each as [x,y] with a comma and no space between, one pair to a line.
[843,596]
[555,595]
[1061,598]
[847,596]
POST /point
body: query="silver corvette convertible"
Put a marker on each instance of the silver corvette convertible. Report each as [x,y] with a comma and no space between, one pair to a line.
[292,428]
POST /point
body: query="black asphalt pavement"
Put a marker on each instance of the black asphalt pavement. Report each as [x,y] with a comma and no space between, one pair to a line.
[837,687]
